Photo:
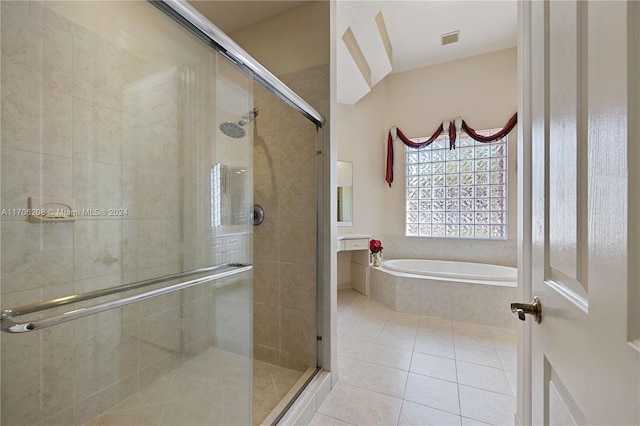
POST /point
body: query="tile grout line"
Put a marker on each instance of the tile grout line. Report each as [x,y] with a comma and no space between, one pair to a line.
[455,361]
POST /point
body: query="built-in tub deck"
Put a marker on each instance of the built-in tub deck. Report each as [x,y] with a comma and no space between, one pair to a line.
[462,291]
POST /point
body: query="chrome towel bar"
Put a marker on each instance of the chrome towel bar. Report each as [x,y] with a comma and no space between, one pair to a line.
[7,323]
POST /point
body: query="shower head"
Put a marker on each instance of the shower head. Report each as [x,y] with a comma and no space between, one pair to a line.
[235,129]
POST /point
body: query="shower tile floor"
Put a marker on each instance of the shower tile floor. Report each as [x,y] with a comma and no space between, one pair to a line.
[271,383]
[209,389]
[402,369]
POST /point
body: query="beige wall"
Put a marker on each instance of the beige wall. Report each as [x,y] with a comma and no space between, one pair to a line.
[361,131]
[291,41]
[480,89]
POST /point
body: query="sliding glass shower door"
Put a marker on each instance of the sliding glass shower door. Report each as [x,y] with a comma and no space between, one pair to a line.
[124,208]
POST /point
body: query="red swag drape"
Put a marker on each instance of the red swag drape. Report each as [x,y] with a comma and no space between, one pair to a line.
[452,140]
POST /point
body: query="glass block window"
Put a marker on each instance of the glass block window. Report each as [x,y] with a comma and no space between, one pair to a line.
[460,193]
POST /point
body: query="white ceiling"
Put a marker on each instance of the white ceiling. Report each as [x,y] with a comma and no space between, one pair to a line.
[414,28]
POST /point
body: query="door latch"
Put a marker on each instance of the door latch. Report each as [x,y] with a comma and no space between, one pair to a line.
[533,308]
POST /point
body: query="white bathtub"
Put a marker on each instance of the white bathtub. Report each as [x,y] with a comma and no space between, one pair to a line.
[461,291]
[481,272]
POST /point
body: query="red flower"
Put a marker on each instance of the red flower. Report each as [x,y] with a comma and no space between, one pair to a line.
[375,246]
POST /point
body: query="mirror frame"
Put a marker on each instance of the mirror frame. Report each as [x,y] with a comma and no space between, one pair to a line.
[345,180]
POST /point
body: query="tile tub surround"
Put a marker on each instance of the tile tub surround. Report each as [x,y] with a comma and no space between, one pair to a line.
[405,369]
[459,301]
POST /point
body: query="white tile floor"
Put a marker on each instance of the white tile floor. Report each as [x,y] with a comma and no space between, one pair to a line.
[402,369]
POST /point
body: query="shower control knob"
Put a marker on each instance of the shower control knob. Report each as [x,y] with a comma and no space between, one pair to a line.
[534,308]
[258,215]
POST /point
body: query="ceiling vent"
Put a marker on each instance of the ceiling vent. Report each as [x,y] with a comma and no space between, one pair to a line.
[450,38]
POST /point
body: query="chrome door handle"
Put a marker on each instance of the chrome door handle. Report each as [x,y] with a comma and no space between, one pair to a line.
[533,308]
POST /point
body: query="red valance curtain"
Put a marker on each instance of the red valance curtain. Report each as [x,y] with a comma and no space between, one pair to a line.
[452,139]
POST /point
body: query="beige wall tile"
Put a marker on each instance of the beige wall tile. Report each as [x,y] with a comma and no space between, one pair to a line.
[266,329]
[266,193]
[298,195]
[97,75]
[97,186]
[159,242]
[104,360]
[97,133]
[160,336]
[34,51]
[298,244]
[297,362]
[298,286]
[266,240]
[91,259]
[154,99]
[198,320]
[130,190]
[298,331]
[103,322]
[233,315]
[266,282]
[35,255]
[29,174]
[297,150]
[18,347]
[58,379]
[383,288]
[266,354]
[266,155]
[23,378]
[35,119]
[129,245]
[159,195]
[150,146]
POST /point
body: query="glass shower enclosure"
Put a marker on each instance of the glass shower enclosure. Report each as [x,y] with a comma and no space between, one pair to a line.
[127,245]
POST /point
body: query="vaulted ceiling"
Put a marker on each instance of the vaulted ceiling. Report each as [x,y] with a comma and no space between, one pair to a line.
[414,30]
[375,38]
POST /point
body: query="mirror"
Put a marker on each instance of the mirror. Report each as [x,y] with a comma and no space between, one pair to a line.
[228,207]
[345,193]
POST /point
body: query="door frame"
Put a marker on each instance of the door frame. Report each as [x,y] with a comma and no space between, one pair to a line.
[524,54]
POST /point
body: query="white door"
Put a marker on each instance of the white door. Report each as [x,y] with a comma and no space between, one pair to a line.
[584,368]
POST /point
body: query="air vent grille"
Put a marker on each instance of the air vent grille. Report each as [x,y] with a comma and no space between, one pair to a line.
[450,38]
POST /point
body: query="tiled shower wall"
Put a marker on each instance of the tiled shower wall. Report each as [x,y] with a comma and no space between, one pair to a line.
[285,244]
[114,124]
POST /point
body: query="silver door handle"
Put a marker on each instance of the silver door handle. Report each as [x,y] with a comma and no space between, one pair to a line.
[533,308]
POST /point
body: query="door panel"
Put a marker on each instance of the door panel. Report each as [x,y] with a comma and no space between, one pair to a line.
[562,408]
[583,369]
[563,141]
